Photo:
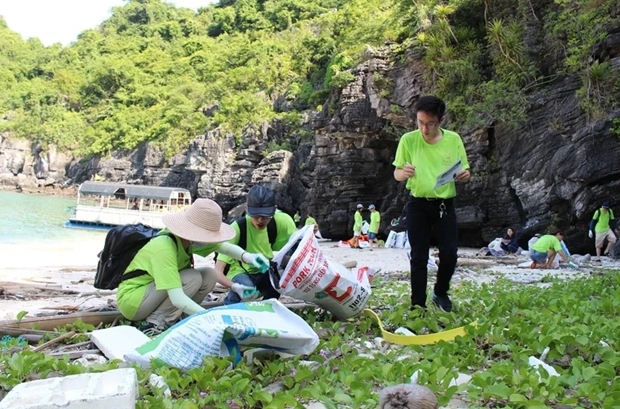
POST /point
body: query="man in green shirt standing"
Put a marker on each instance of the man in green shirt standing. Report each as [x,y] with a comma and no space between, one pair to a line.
[375,221]
[358,220]
[297,218]
[421,156]
[601,226]
[261,212]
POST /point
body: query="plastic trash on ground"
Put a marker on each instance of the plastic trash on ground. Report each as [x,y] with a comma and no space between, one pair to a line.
[220,331]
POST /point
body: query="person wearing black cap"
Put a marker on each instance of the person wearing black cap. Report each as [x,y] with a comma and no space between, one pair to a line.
[261,218]
[601,227]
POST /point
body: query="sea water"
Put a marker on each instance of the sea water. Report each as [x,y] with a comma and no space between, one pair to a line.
[31,218]
[32,232]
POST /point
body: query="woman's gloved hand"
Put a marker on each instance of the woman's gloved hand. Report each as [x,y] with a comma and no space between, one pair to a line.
[257,260]
[245,292]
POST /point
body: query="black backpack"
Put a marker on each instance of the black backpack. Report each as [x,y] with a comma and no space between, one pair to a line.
[272,232]
[121,245]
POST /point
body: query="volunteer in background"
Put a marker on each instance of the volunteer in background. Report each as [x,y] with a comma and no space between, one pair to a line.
[601,227]
[375,221]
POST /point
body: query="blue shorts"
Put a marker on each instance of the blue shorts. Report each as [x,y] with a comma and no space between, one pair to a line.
[538,256]
[372,236]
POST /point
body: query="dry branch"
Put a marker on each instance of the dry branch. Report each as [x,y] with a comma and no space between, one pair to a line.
[54,341]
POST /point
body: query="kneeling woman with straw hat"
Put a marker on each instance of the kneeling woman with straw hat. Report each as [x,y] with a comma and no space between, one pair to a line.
[171,285]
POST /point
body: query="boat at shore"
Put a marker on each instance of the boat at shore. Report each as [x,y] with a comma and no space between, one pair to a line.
[104,205]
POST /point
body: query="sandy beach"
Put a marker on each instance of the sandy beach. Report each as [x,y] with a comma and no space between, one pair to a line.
[62,272]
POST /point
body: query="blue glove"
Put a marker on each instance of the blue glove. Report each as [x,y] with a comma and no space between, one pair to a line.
[257,260]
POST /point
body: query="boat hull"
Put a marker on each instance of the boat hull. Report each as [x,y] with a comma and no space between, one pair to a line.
[93,216]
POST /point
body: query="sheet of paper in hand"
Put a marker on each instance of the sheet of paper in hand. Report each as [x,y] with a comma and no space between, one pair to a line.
[449,175]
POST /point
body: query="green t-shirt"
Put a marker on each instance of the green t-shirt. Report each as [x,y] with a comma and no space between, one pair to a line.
[162,259]
[296,218]
[257,241]
[430,161]
[310,220]
[603,219]
[375,220]
[358,221]
[546,243]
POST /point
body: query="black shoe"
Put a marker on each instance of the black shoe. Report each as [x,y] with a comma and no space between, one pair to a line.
[443,302]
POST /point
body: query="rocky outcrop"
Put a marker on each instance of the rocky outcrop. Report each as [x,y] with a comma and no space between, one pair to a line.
[26,165]
[554,170]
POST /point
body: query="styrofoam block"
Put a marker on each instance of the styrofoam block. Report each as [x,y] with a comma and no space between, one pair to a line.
[116,389]
[115,342]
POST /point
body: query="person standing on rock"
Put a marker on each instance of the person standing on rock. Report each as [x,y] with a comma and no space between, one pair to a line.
[358,220]
[262,231]
[375,221]
[601,227]
[421,157]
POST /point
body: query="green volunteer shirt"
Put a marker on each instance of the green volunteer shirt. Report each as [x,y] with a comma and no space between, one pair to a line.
[310,220]
[546,243]
[257,241]
[358,221]
[375,220]
[430,161]
[162,259]
[602,225]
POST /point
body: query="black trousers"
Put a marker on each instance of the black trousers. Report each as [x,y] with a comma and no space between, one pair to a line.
[422,216]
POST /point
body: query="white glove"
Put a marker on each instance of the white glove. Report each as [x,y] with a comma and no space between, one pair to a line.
[257,260]
[590,233]
[246,293]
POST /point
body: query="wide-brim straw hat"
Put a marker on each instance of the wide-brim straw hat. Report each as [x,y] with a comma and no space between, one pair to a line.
[202,222]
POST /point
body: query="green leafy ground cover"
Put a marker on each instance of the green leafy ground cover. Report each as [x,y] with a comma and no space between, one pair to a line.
[577,320]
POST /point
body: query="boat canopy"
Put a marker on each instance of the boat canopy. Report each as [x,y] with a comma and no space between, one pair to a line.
[140,191]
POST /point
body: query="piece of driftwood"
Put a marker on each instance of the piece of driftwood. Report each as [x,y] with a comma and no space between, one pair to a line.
[103,317]
[15,332]
[54,341]
[75,354]
[74,346]
[475,263]
[51,322]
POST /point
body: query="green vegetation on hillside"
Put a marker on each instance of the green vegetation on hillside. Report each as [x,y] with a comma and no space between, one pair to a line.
[153,72]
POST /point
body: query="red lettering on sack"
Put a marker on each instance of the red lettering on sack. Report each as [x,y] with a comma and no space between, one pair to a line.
[331,290]
[301,277]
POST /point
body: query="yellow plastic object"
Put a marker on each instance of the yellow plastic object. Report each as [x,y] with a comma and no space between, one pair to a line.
[429,339]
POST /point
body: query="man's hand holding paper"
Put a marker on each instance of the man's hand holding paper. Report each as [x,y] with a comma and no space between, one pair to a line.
[455,171]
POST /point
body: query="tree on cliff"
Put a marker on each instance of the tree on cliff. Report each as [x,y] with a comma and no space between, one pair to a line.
[154,72]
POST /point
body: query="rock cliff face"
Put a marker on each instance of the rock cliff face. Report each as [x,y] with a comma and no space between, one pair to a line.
[553,171]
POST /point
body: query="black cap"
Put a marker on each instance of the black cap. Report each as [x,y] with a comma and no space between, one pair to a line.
[261,201]
[606,204]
